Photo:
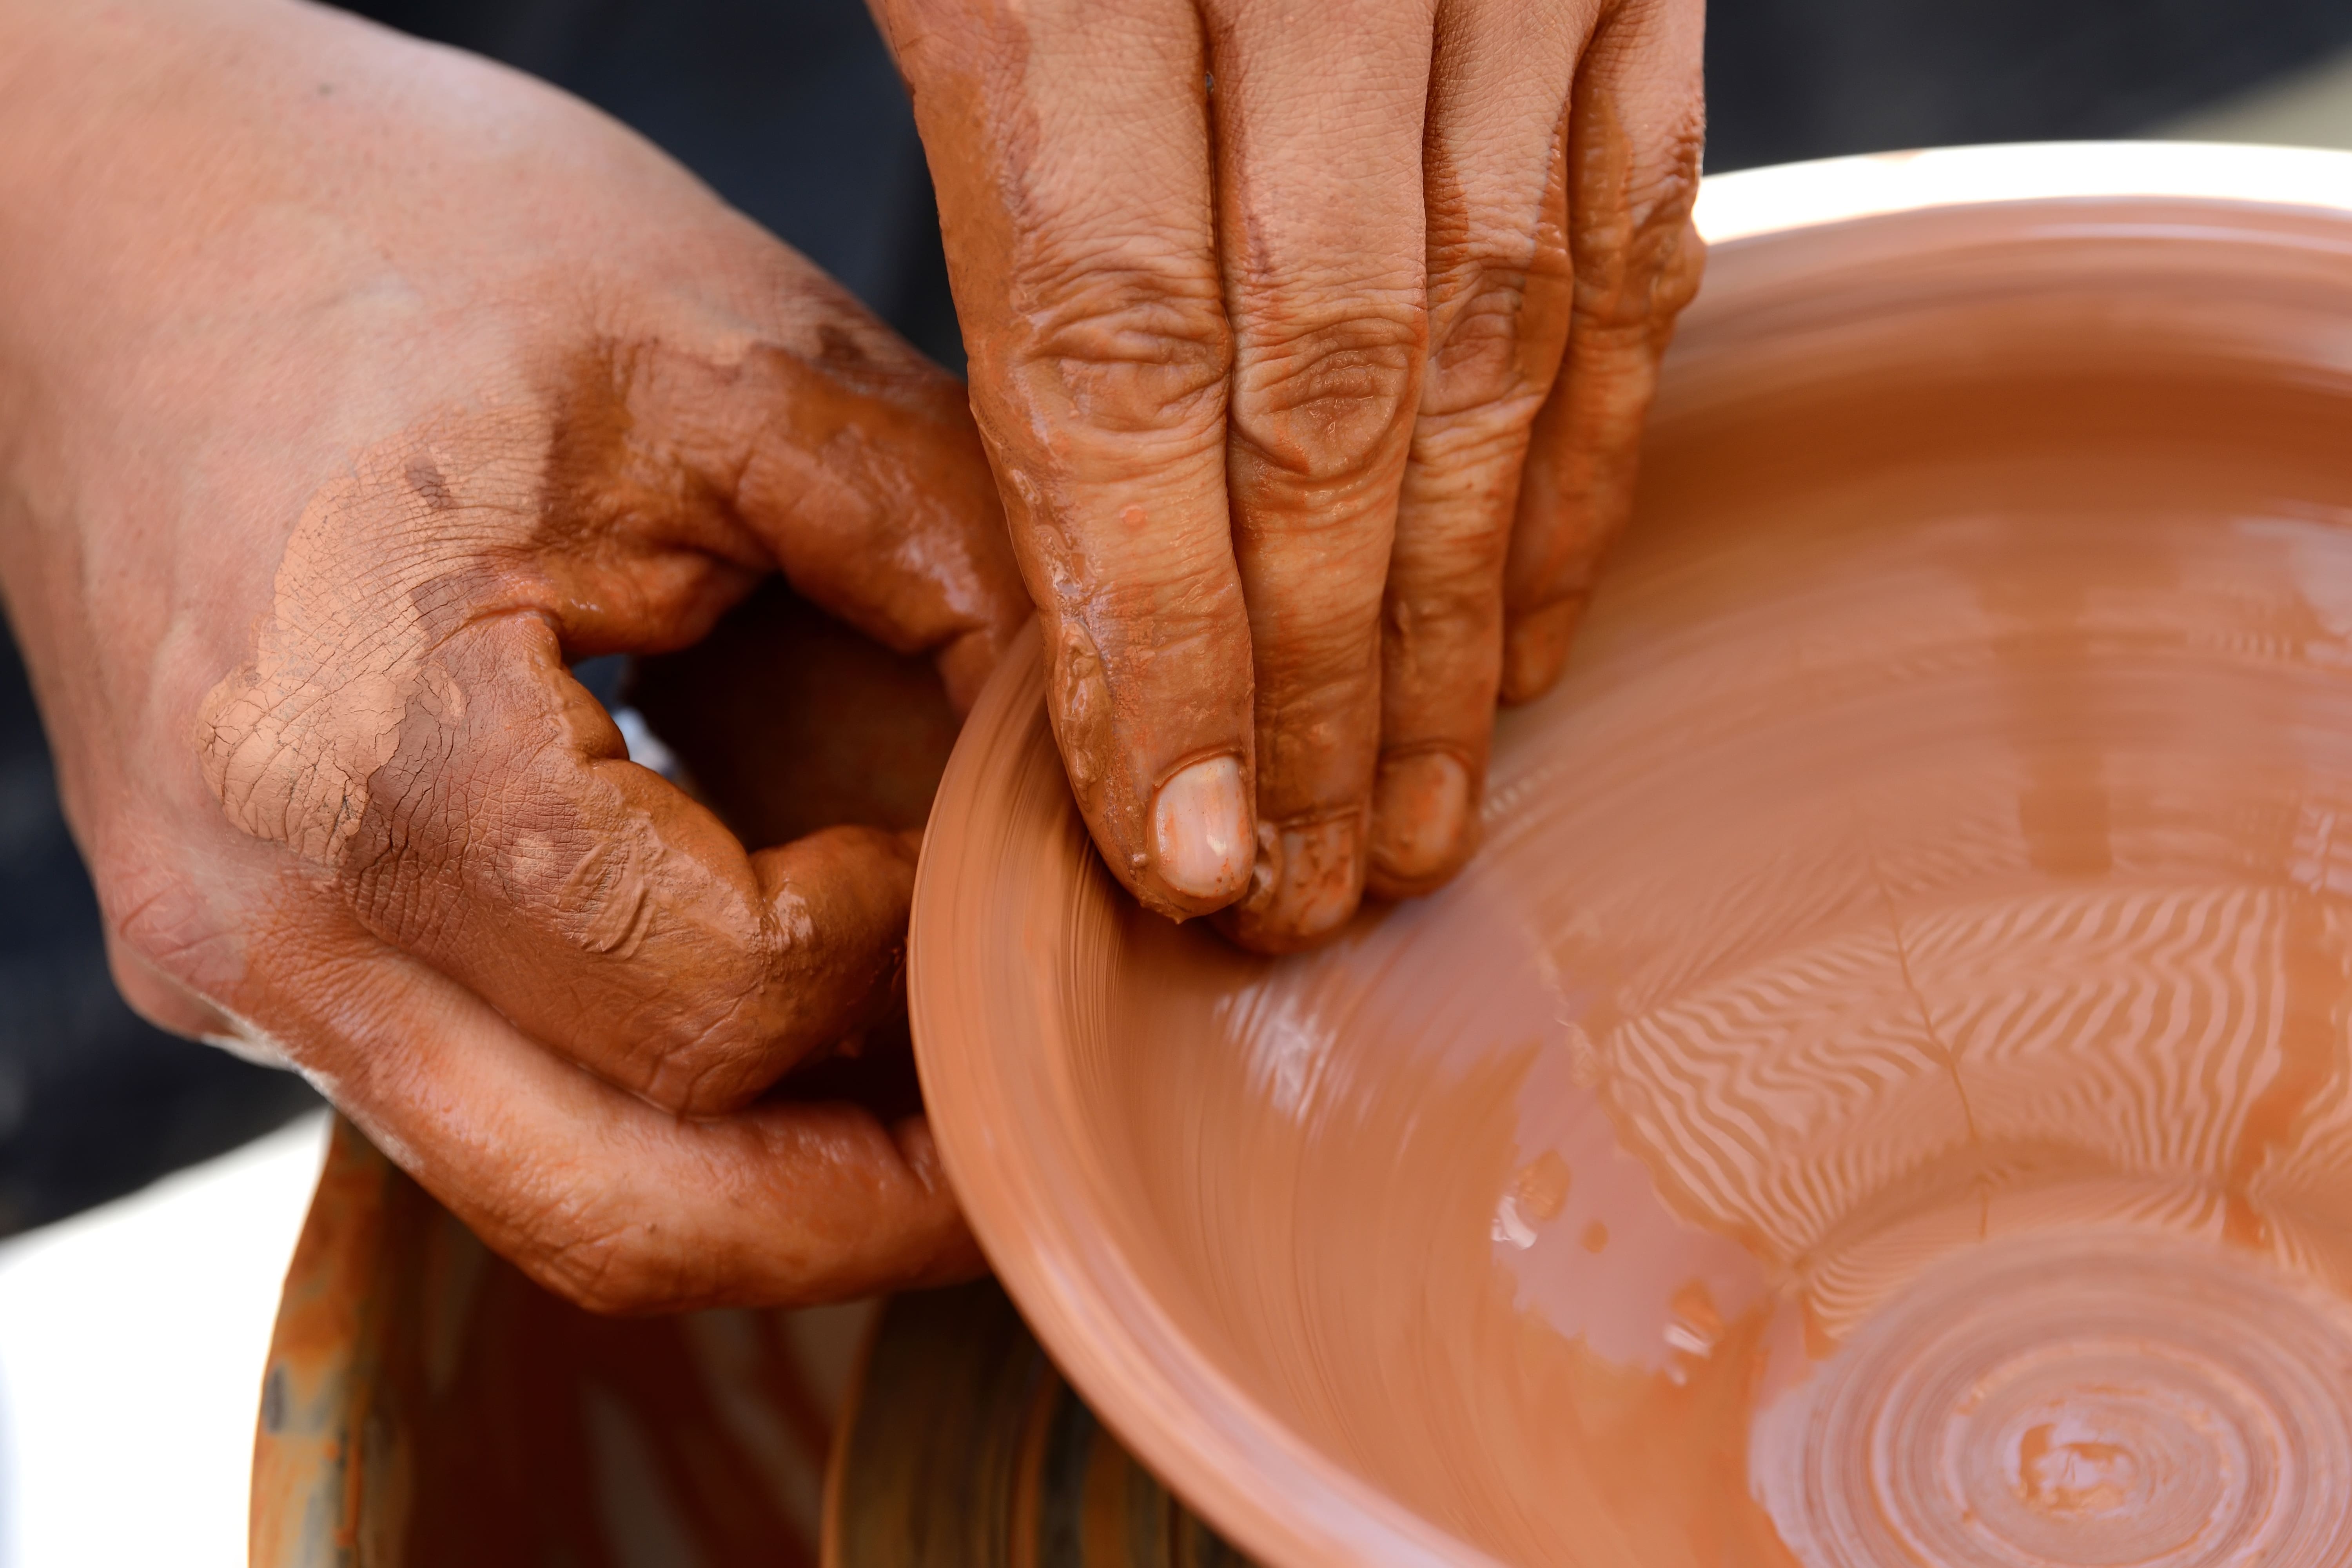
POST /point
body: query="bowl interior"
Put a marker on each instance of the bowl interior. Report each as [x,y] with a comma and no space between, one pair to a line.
[1881,1092]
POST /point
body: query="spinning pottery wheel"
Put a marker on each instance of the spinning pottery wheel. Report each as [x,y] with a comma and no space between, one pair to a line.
[426,1404]
[1880,1095]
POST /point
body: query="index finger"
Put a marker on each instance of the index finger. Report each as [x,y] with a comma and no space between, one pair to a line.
[609,1201]
[1069,144]
[507,840]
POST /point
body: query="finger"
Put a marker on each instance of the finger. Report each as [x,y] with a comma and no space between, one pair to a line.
[509,843]
[599,1196]
[1495,174]
[1636,129]
[1067,141]
[161,935]
[159,999]
[1324,264]
[848,460]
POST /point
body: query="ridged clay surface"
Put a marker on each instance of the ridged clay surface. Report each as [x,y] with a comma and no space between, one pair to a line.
[1881,1094]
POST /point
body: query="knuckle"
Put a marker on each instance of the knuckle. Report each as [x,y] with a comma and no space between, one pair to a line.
[602,1276]
[1637,257]
[599,886]
[153,913]
[1455,595]
[1128,341]
[1634,282]
[1497,267]
[719,1063]
[1325,400]
[607,1265]
[157,917]
[1488,362]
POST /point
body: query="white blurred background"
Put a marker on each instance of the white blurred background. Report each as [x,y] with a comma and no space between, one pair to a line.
[131,1343]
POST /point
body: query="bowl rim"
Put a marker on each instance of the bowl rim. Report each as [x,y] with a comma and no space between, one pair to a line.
[1192,1425]
[1785,197]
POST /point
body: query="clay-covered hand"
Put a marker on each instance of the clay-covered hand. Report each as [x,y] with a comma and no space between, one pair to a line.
[1311,340]
[350,389]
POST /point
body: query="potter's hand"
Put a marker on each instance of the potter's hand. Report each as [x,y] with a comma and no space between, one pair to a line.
[348,389]
[1259,363]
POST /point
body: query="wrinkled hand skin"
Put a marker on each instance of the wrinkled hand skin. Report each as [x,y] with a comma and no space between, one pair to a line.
[349,390]
[1311,341]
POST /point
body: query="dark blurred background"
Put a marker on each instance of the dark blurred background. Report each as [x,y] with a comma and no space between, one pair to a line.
[791,109]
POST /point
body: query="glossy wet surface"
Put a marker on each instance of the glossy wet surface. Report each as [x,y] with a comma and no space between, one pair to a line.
[1880,1095]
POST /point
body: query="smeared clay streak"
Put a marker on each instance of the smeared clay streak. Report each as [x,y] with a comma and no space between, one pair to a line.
[289,741]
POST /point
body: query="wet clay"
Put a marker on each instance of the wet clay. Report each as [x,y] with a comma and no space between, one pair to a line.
[1881,1092]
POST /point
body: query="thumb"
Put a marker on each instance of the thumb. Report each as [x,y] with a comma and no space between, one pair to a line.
[854,464]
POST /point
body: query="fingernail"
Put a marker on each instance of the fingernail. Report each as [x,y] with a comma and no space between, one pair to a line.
[1321,880]
[1201,828]
[1421,804]
[1535,648]
[1308,882]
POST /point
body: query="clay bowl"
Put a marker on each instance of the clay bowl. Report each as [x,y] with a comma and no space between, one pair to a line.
[1881,1094]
